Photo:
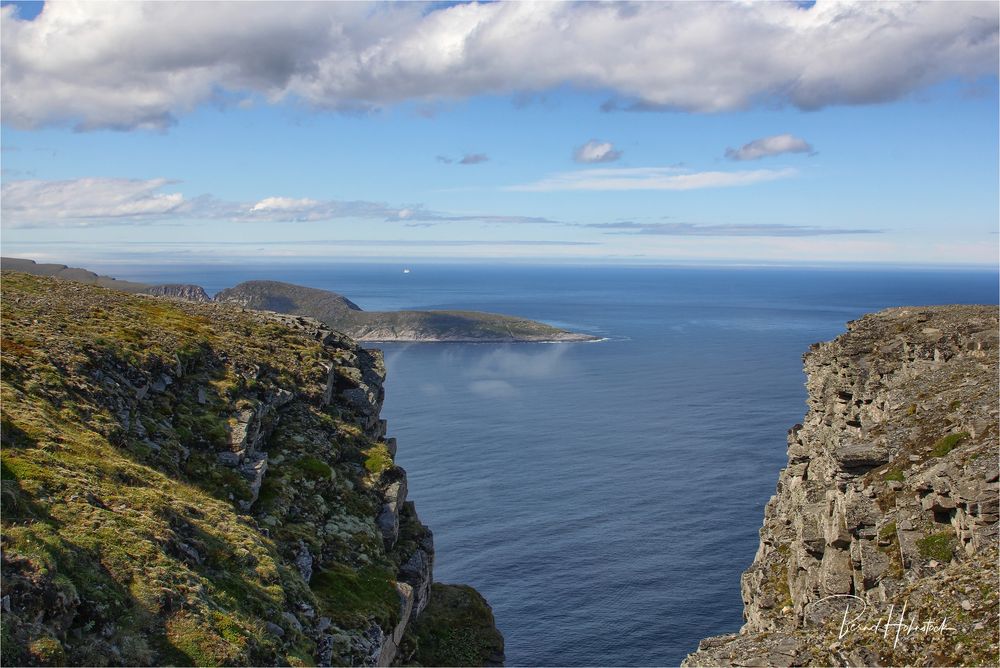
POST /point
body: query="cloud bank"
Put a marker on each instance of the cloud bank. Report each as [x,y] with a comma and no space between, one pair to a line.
[733,230]
[96,202]
[142,64]
[650,178]
[767,146]
[75,202]
[92,202]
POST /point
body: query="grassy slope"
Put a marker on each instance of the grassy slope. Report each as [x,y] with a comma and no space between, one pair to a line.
[118,547]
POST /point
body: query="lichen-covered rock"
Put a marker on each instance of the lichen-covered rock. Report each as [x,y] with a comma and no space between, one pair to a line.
[889,499]
[188,483]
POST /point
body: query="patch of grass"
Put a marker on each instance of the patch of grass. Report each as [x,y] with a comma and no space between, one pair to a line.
[893,474]
[938,546]
[888,532]
[947,443]
[456,629]
[350,596]
[198,640]
[47,651]
[219,480]
[886,500]
[377,459]
[314,468]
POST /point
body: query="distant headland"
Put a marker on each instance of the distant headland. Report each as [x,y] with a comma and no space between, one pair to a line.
[333,310]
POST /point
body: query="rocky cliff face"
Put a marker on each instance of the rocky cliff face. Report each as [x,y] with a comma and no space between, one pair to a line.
[889,500]
[188,291]
[190,483]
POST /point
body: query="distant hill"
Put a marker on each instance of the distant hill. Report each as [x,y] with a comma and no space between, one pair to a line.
[341,313]
[70,274]
[288,298]
[332,309]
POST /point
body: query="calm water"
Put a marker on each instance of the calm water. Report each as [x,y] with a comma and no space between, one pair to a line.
[605,497]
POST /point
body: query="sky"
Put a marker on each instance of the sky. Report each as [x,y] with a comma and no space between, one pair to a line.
[658,132]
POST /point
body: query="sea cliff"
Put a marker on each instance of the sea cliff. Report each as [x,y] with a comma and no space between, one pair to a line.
[195,483]
[880,544]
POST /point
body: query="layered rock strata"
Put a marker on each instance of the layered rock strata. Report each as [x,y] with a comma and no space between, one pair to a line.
[889,499]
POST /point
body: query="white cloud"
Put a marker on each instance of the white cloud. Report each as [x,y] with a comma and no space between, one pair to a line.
[86,201]
[650,178]
[140,64]
[284,204]
[767,146]
[596,151]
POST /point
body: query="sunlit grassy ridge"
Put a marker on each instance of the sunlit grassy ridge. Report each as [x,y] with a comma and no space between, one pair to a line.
[124,541]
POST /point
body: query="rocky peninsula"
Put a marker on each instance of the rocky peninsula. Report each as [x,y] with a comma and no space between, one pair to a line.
[188,483]
[880,545]
[335,310]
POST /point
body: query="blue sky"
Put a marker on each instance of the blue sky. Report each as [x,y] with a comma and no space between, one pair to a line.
[429,136]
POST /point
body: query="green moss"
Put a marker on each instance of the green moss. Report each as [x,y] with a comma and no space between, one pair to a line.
[456,629]
[939,546]
[377,459]
[893,474]
[12,653]
[218,480]
[947,443]
[314,468]
[348,596]
[888,532]
[208,428]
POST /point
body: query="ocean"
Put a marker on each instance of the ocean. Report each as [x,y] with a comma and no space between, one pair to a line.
[604,497]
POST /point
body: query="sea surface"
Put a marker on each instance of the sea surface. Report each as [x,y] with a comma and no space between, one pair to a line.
[605,497]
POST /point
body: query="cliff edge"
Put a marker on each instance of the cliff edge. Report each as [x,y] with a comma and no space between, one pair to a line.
[880,545]
[194,484]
